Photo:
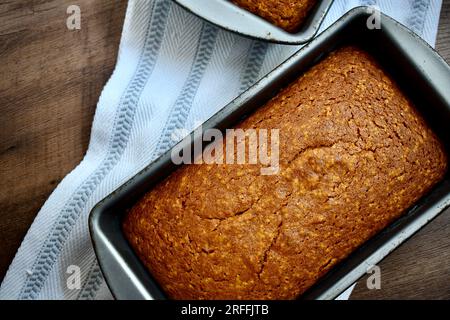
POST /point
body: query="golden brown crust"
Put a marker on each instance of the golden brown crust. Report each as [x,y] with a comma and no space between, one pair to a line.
[286,14]
[354,155]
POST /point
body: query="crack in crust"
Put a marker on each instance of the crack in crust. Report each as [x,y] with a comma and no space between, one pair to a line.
[269,248]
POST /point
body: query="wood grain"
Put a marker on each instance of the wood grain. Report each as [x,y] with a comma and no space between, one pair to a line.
[443,37]
[50,81]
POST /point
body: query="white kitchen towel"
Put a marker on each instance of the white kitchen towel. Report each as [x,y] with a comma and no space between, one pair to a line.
[173,71]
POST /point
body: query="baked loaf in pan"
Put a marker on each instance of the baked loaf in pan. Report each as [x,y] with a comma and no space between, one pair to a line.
[354,155]
[286,14]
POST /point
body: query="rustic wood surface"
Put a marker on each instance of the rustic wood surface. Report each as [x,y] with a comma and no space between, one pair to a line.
[50,82]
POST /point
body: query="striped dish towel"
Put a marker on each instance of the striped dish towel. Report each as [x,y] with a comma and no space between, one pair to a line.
[173,71]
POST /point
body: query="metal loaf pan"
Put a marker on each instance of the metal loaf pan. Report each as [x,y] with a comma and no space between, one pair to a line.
[421,73]
[229,16]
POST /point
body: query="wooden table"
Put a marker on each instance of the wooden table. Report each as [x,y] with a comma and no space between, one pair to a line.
[50,81]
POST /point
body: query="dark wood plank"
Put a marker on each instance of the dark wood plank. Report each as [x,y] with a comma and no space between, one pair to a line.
[51,78]
[420,268]
[443,37]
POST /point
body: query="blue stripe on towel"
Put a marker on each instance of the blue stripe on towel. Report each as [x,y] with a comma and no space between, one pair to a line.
[255,59]
[54,242]
[177,116]
[182,106]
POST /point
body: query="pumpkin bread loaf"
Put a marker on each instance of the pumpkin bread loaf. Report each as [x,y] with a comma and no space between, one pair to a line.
[354,156]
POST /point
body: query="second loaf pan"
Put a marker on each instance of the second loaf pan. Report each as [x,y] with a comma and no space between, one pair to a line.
[417,68]
[229,16]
